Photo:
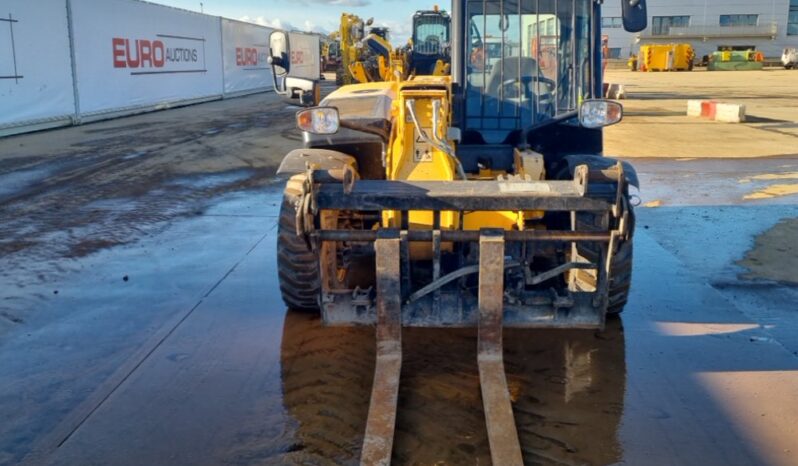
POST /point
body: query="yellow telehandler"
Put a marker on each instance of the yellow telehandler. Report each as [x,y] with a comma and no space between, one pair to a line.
[480,198]
[429,50]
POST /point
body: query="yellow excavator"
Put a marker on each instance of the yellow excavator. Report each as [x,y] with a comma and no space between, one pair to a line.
[365,56]
[475,199]
[369,57]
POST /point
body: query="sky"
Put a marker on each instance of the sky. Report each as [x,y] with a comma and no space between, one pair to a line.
[315,15]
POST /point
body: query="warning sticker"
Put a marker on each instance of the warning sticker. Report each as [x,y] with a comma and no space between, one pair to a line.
[422,151]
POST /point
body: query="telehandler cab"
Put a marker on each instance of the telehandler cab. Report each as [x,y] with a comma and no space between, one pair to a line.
[476,199]
[429,52]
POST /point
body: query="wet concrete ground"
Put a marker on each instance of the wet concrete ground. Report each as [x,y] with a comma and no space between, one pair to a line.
[167,341]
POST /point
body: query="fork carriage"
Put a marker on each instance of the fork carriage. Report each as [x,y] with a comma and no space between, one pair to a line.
[442,295]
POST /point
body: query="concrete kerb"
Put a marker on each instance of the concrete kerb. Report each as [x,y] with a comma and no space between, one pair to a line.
[716,111]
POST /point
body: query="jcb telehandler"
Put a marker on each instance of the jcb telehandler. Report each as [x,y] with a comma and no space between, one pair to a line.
[476,199]
[429,51]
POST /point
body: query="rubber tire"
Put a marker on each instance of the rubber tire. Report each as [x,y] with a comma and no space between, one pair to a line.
[621,278]
[297,265]
[620,267]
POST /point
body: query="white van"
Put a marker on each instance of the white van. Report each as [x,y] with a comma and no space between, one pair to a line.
[790,58]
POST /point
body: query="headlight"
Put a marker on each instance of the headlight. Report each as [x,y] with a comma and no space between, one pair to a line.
[318,120]
[599,113]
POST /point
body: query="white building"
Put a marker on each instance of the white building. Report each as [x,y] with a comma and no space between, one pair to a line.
[766,25]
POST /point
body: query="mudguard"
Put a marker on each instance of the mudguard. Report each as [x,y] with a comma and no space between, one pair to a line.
[599,162]
[297,161]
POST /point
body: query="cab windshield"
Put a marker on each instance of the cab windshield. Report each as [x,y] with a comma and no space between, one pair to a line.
[431,34]
[527,63]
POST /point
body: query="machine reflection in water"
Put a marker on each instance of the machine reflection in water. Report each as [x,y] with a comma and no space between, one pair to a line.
[567,389]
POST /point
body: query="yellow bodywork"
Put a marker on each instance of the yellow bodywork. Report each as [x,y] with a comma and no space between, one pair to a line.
[666,57]
[358,72]
[409,157]
[350,32]
[352,35]
[441,68]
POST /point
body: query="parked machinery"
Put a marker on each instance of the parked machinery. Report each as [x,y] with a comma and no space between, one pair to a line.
[736,60]
[371,58]
[429,51]
[350,32]
[365,56]
[665,57]
[378,61]
[331,52]
[479,198]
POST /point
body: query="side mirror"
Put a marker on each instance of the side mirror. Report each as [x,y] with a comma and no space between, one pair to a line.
[635,15]
[279,53]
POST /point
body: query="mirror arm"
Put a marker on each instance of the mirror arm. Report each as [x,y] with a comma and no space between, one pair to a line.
[277,87]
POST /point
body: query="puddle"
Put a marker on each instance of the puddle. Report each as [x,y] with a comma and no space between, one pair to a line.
[114,205]
[134,155]
[15,181]
[567,388]
[212,180]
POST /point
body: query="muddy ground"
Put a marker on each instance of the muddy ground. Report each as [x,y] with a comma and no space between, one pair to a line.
[66,194]
[775,254]
[141,323]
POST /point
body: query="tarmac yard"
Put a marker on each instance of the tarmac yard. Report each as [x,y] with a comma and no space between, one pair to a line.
[656,124]
[141,321]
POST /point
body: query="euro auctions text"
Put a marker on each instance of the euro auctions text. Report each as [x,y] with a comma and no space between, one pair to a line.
[166,53]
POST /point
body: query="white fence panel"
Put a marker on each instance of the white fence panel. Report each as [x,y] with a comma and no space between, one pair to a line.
[132,55]
[35,67]
[246,53]
[305,55]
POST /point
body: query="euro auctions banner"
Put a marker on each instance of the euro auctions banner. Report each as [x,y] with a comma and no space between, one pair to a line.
[35,68]
[246,53]
[132,54]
